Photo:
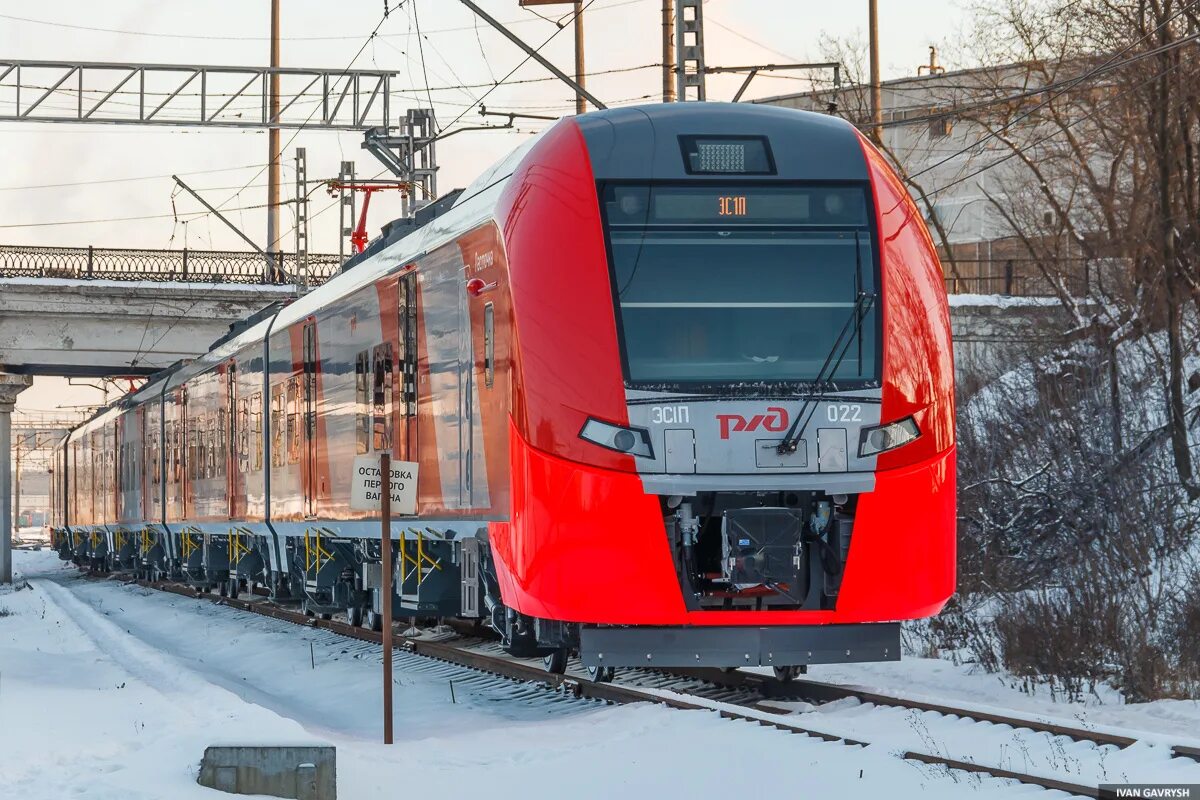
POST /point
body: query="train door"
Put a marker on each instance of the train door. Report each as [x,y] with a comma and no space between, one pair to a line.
[308,467]
[406,360]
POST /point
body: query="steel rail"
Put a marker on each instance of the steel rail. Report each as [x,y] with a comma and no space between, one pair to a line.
[603,692]
[823,692]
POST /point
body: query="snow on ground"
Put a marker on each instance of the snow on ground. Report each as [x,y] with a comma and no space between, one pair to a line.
[1000,300]
[32,536]
[969,686]
[113,691]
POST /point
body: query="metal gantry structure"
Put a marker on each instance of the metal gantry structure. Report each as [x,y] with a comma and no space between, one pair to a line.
[411,156]
[302,217]
[216,96]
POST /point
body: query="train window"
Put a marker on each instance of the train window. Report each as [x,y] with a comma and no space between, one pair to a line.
[193,447]
[156,460]
[735,285]
[165,451]
[204,448]
[382,397]
[199,472]
[257,429]
[214,448]
[175,457]
[222,447]
[242,431]
[293,420]
[362,402]
[489,344]
[277,424]
[204,436]
[179,443]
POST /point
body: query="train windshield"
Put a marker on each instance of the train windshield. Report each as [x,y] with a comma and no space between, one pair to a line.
[721,285]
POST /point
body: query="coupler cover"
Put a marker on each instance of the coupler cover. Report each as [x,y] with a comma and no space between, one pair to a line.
[762,546]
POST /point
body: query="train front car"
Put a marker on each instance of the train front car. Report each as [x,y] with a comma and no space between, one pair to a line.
[732,435]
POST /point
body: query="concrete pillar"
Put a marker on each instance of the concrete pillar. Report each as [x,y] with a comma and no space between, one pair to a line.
[10,387]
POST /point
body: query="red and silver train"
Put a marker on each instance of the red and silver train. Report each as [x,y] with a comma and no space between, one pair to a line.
[674,382]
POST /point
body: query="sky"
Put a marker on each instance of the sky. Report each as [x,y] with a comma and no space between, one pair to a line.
[620,34]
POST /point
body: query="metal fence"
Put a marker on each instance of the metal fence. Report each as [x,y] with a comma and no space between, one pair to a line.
[1014,285]
[1018,277]
[196,266]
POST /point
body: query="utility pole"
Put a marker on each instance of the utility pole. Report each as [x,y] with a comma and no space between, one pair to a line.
[273,155]
[580,101]
[876,87]
[668,51]
[530,51]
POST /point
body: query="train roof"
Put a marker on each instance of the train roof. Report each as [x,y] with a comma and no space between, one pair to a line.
[472,207]
[644,142]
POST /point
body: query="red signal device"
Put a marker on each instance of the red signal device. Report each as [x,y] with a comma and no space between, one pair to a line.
[359,237]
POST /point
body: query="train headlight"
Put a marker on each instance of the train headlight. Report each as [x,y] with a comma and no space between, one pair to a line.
[887,437]
[634,441]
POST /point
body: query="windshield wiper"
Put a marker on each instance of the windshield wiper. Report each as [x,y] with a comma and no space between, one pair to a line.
[824,379]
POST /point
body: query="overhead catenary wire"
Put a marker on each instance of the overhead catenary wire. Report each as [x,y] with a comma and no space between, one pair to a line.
[448,129]
[1014,152]
[370,37]
[228,38]
[1108,65]
[195,214]
[522,63]
[421,49]
[99,181]
[387,10]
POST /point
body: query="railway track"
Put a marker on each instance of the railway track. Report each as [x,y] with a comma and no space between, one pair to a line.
[742,688]
[813,691]
[735,696]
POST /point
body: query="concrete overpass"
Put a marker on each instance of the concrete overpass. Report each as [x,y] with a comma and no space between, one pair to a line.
[97,328]
[95,312]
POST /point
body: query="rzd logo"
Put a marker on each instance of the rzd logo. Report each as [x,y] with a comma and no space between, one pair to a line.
[776,419]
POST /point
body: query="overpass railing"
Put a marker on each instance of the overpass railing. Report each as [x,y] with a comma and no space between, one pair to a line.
[195,266]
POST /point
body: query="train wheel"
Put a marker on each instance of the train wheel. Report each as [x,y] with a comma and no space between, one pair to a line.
[354,615]
[555,661]
[223,589]
[374,621]
[234,588]
[601,674]
[790,673]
